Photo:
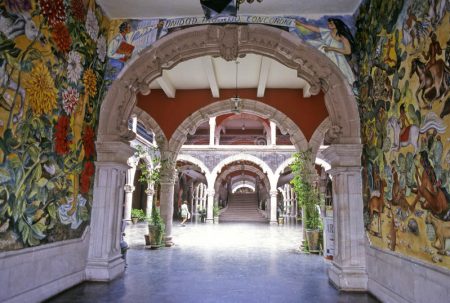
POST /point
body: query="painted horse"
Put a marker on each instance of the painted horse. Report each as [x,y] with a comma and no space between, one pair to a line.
[432,80]
[429,189]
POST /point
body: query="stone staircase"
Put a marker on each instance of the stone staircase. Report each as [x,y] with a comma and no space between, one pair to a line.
[242,208]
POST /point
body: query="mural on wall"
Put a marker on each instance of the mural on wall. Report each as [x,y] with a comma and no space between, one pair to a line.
[404,103]
[334,36]
[52,55]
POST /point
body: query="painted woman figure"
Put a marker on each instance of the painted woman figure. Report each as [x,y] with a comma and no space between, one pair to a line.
[336,42]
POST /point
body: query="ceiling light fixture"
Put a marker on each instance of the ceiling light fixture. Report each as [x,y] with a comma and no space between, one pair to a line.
[239,2]
[237,101]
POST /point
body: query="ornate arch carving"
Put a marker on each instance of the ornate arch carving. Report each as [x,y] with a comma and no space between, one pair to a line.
[229,41]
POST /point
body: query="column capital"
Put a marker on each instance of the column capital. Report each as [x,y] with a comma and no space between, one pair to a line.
[274,193]
[113,151]
[211,192]
[343,155]
[150,191]
[128,188]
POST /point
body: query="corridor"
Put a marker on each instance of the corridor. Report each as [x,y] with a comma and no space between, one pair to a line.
[228,262]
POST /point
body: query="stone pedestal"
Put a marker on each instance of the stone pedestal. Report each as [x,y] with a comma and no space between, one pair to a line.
[104,261]
[348,270]
[273,206]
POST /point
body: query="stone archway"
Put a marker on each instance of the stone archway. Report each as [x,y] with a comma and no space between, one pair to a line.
[200,164]
[348,270]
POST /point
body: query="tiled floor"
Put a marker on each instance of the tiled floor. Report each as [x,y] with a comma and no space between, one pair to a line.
[218,263]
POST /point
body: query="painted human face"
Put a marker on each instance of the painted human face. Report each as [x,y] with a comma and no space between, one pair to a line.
[331,25]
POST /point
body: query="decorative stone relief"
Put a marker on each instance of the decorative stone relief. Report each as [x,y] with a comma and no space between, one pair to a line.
[229,44]
[332,134]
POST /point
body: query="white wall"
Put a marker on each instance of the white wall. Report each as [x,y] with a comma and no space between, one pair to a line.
[34,274]
[397,278]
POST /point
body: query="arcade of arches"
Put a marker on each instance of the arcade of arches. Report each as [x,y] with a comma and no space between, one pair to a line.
[219,153]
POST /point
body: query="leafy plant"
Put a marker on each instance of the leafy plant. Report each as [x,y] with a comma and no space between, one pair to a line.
[216,211]
[307,194]
[138,213]
[148,176]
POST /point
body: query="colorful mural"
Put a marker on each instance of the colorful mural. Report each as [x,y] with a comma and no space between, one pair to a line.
[52,55]
[404,51]
[334,36]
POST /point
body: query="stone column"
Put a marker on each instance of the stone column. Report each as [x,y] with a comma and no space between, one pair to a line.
[104,261]
[129,188]
[210,205]
[212,128]
[273,133]
[273,206]
[150,192]
[167,191]
[348,270]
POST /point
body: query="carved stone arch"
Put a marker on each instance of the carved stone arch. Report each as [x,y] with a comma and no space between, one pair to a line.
[250,168]
[149,122]
[244,157]
[282,167]
[249,106]
[243,185]
[317,139]
[229,42]
[199,163]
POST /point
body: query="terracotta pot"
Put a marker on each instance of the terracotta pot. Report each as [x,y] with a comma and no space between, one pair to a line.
[312,237]
[156,235]
[134,220]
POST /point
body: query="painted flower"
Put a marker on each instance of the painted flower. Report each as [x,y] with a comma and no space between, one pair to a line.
[53,10]
[70,97]
[90,82]
[78,10]
[101,48]
[88,141]
[61,36]
[92,25]
[74,67]
[85,178]
[41,91]
[62,140]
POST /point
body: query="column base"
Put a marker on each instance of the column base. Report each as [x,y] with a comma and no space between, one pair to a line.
[168,242]
[273,222]
[104,270]
[352,278]
[210,221]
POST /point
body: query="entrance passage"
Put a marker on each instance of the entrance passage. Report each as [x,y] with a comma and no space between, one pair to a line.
[233,262]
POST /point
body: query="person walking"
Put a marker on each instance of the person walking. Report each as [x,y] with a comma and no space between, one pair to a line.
[185,214]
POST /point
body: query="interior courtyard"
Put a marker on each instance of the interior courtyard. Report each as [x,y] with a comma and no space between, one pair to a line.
[224,151]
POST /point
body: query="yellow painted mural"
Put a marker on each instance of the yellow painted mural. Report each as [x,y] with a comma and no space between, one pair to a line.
[52,62]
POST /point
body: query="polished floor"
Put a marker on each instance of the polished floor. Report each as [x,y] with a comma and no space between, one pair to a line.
[218,263]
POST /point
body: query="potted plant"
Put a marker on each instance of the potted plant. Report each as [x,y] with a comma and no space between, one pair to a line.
[202,213]
[216,211]
[308,197]
[156,228]
[137,215]
[280,213]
